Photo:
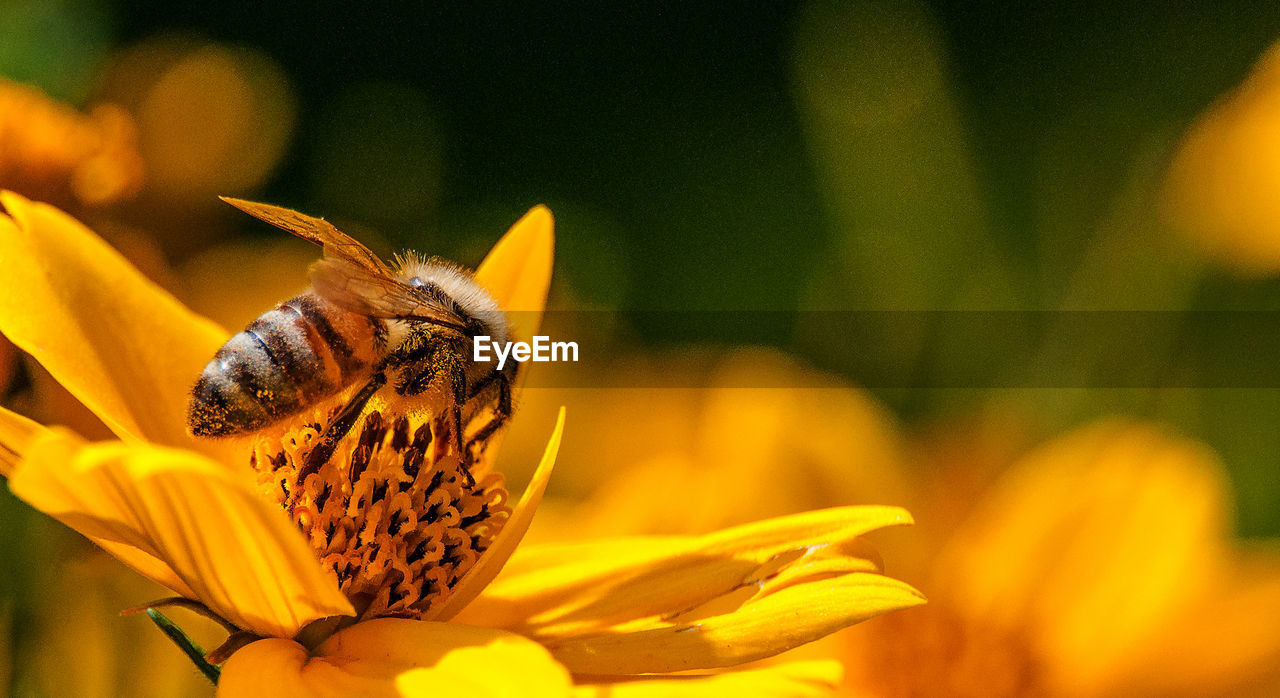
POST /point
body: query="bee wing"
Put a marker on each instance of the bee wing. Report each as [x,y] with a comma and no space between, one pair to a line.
[358,290]
[336,244]
[350,275]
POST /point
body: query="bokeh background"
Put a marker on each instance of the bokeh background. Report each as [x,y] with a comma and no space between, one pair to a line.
[774,161]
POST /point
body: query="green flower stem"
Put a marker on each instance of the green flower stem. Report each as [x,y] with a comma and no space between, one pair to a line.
[186,644]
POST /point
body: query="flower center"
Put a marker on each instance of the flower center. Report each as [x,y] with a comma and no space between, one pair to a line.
[395,513]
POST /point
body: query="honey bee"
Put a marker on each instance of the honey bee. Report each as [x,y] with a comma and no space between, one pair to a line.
[365,323]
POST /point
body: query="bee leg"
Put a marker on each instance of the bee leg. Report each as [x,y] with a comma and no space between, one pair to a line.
[423,372]
[507,375]
[501,411]
[340,425]
[459,396]
[459,379]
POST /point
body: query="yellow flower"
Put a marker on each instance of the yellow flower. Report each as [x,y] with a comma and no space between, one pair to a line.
[52,151]
[212,118]
[1221,184]
[191,515]
[1098,564]
[766,451]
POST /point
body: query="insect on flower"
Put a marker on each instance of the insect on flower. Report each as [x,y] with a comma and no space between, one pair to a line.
[362,323]
[387,572]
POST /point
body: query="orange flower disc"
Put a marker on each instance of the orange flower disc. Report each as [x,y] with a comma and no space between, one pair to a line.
[395,514]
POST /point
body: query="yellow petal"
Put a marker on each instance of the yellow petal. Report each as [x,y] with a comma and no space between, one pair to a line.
[396,657]
[122,345]
[820,568]
[16,433]
[811,679]
[517,271]
[761,628]
[58,447]
[495,558]
[224,545]
[1224,644]
[1089,541]
[281,668]
[1221,184]
[615,580]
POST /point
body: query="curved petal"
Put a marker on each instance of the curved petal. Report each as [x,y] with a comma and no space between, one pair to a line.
[1220,185]
[16,433]
[517,271]
[812,679]
[493,559]
[396,657]
[122,345]
[1226,643]
[224,545]
[616,580]
[761,628]
[1091,540]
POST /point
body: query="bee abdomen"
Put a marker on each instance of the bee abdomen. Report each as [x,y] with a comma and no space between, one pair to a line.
[290,357]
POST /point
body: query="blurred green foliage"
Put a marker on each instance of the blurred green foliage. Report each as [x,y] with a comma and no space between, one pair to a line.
[56,44]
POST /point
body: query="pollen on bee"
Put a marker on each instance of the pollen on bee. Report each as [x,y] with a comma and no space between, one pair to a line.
[394,514]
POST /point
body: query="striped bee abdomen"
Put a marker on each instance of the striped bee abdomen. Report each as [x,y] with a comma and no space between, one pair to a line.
[289,358]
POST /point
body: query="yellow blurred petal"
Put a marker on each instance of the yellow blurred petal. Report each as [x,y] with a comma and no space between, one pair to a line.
[122,345]
[810,679]
[761,628]
[1226,644]
[397,657]
[495,558]
[746,431]
[1089,541]
[123,545]
[517,271]
[1221,185]
[609,581]
[228,548]
[16,433]
[233,283]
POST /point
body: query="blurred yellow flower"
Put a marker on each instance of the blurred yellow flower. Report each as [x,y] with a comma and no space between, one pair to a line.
[1099,564]
[51,151]
[1222,183]
[180,511]
[230,283]
[765,451]
[212,118]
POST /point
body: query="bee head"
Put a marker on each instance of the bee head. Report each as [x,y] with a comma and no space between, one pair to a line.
[476,328]
[457,290]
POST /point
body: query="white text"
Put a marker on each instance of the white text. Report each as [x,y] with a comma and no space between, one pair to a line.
[542,349]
